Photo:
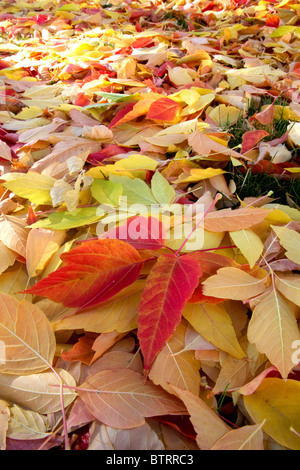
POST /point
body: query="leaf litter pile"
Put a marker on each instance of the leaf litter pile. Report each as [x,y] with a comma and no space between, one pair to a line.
[150,225]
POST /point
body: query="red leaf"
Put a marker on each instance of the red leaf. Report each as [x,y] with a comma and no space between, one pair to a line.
[170,284]
[296,68]
[31,217]
[93,272]
[163,109]
[273,21]
[144,233]
[82,100]
[107,152]
[143,42]
[121,114]
[251,139]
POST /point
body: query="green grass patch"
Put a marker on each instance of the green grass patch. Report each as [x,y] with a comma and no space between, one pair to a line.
[250,184]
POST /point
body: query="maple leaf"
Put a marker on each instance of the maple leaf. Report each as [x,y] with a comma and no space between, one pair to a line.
[93,272]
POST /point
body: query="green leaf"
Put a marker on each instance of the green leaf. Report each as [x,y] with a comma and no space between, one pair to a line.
[163,192]
[67,220]
[136,190]
[106,192]
[117,97]
[282,30]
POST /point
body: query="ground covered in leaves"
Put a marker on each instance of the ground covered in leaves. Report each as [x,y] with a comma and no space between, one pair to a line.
[150,225]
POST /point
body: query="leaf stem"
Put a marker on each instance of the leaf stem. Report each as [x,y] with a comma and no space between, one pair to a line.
[217,198]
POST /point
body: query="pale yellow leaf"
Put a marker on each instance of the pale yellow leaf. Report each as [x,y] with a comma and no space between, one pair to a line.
[41,246]
[207,424]
[289,286]
[27,335]
[38,392]
[13,233]
[196,174]
[234,284]
[273,328]
[224,115]
[249,437]
[234,373]
[7,257]
[15,280]
[180,76]
[26,424]
[290,240]
[104,437]
[5,151]
[4,423]
[181,370]
[97,132]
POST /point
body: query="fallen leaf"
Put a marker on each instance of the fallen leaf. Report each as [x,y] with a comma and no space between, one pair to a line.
[170,283]
[126,396]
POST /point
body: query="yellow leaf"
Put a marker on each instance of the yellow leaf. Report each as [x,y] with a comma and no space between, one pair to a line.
[273,328]
[32,186]
[224,115]
[249,244]
[289,286]
[29,113]
[292,213]
[277,402]
[234,284]
[293,170]
[195,175]
[135,163]
[41,246]
[214,324]
[290,240]
[181,370]
[26,424]
[202,102]
[278,217]
[15,280]
[200,240]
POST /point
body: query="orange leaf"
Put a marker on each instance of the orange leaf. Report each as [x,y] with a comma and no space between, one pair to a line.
[164,109]
[93,272]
